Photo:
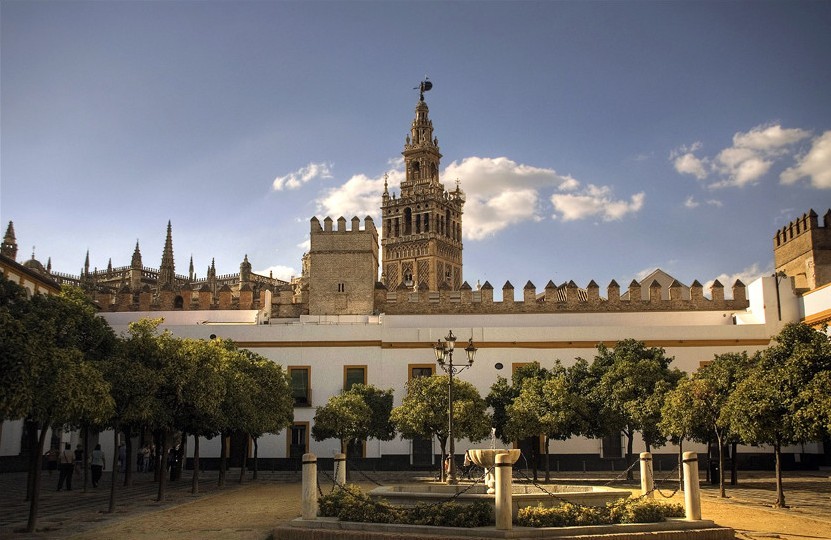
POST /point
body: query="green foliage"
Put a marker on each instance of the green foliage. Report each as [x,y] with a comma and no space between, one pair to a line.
[628,384]
[642,510]
[361,412]
[351,504]
[621,511]
[563,515]
[423,411]
[547,405]
[345,417]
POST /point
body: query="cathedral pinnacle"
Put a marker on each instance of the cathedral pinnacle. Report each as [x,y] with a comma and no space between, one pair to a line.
[9,247]
[167,268]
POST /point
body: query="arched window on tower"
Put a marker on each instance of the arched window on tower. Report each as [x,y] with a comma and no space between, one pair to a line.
[447,224]
[408,221]
[434,172]
[416,170]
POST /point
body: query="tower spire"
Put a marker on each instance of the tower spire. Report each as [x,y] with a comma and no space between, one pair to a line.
[9,246]
[425,219]
[167,268]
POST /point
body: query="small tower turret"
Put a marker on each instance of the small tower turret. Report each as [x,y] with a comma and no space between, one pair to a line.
[167,270]
[9,246]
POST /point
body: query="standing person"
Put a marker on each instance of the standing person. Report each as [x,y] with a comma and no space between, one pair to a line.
[122,457]
[96,464]
[79,460]
[468,464]
[67,464]
[145,458]
[52,460]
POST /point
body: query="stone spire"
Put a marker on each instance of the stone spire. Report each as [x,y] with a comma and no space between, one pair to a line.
[191,274]
[167,270]
[9,246]
[135,262]
[245,270]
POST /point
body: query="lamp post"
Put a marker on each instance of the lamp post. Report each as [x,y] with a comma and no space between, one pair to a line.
[444,356]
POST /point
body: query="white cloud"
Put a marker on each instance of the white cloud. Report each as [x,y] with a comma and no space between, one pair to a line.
[751,156]
[303,175]
[691,202]
[690,164]
[500,192]
[280,272]
[771,138]
[360,196]
[305,245]
[747,276]
[595,201]
[814,165]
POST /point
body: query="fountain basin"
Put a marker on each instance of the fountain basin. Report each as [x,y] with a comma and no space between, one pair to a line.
[486,457]
[523,495]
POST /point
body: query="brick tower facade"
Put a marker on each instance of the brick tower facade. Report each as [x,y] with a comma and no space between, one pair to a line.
[422,228]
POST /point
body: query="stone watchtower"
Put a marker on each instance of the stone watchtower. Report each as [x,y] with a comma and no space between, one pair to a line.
[342,267]
[802,250]
[422,229]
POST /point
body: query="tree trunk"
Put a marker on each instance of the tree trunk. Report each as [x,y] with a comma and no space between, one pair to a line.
[194,484]
[114,473]
[442,474]
[84,465]
[256,464]
[128,458]
[630,440]
[734,464]
[33,463]
[221,481]
[780,493]
[547,461]
[681,464]
[163,478]
[34,501]
[721,492]
[244,460]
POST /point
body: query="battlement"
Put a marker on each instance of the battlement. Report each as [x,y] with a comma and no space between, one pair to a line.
[806,223]
[369,225]
[559,299]
[802,250]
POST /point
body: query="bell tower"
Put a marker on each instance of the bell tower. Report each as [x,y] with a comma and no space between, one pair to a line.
[422,228]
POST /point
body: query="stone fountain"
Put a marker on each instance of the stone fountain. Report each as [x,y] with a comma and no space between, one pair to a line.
[486,458]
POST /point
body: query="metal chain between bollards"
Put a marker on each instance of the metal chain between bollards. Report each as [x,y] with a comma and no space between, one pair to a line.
[355,468]
[437,503]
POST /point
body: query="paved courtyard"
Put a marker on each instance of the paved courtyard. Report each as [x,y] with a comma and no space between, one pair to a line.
[248,511]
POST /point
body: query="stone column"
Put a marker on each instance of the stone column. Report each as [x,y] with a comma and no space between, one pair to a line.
[692,495]
[647,481]
[340,469]
[503,498]
[309,486]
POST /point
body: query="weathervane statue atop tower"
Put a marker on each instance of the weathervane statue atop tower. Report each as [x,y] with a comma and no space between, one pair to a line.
[424,86]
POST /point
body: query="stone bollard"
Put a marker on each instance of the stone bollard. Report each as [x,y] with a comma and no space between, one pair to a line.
[340,469]
[309,486]
[692,495]
[503,498]
[647,478]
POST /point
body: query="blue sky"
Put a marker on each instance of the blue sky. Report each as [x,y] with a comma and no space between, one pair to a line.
[594,140]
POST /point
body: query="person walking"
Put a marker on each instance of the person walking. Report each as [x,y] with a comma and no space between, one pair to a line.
[66,463]
[97,464]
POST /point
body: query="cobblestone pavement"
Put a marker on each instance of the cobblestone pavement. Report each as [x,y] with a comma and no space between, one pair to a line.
[63,514]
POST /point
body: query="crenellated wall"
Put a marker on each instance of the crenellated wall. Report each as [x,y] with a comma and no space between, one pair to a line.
[563,299]
[802,250]
[343,267]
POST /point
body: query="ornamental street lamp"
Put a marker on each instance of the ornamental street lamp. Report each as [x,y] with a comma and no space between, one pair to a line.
[444,356]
